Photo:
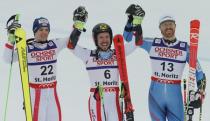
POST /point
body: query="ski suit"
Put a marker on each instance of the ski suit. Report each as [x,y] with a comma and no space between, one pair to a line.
[42,59]
[105,73]
[167,62]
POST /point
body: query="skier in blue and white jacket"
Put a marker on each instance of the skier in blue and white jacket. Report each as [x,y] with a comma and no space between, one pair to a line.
[168,57]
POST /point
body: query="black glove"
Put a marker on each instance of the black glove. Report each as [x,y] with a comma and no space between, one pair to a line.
[129,116]
[96,95]
[200,93]
[80,14]
[134,10]
[11,28]
[198,99]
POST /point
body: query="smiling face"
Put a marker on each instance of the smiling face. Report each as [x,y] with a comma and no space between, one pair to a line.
[103,40]
[42,34]
[167,29]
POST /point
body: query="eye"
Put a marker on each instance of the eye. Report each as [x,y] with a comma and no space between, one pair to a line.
[107,36]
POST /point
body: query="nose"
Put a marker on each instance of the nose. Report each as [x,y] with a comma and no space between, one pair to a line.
[168,28]
[45,32]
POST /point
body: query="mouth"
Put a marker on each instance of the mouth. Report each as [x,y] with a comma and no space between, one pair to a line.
[169,30]
[104,44]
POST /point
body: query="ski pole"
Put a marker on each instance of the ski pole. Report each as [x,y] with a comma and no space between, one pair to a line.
[121,98]
[8,88]
[185,99]
[13,18]
[203,83]
[101,93]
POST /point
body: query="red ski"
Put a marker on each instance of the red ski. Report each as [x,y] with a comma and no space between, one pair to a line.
[194,35]
[120,53]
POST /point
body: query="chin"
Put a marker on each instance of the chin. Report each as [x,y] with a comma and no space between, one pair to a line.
[44,40]
[104,49]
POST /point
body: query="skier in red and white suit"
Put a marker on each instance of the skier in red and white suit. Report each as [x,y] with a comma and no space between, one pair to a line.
[42,58]
[102,68]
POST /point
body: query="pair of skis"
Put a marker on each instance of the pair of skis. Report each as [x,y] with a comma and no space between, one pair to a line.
[20,41]
[125,90]
[189,85]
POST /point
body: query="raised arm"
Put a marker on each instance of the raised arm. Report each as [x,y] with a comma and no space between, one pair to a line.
[10,54]
[133,27]
[80,16]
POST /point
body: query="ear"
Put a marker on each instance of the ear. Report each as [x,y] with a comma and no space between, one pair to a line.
[159,26]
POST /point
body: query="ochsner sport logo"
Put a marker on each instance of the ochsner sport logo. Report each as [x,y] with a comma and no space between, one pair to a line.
[45,55]
[168,52]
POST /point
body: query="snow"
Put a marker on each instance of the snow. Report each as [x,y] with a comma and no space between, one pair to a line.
[73,83]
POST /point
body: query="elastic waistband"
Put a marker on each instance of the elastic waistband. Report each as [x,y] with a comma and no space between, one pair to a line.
[106,89]
[165,81]
[43,86]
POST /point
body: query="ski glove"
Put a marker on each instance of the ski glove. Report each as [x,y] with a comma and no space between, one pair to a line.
[137,20]
[129,116]
[198,100]
[79,25]
[99,94]
[80,16]
[11,28]
[135,14]
[200,93]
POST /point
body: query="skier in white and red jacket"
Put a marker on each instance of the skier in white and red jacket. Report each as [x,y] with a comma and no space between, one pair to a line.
[42,60]
[102,68]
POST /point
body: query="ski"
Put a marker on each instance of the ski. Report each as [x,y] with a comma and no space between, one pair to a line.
[20,38]
[121,60]
[194,35]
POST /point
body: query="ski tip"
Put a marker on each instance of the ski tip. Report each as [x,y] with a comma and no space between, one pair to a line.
[118,36]
[195,23]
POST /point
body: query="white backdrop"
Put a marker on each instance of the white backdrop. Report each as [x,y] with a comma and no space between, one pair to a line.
[73,83]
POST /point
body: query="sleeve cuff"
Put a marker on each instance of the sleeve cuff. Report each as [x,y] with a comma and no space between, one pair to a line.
[9,46]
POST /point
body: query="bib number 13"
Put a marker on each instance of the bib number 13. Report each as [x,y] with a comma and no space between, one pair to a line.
[167,66]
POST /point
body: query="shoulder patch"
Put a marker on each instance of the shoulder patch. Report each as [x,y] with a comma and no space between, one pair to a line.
[182,44]
[157,40]
[50,43]
[30,46]
[93,53]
